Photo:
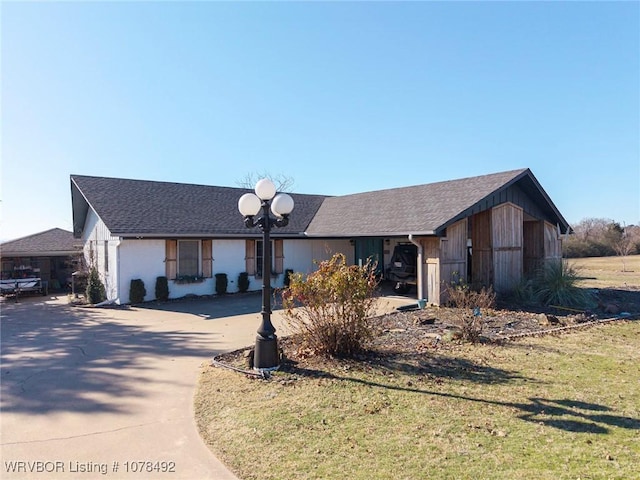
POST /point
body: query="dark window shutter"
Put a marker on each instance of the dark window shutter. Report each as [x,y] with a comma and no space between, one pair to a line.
[207,258]
[250,257]
[278,253]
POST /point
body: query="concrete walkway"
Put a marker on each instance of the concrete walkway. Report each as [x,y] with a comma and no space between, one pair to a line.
[94,393]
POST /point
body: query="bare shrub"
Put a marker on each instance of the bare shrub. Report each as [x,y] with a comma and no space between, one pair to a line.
[330,308]
[460,295]
[470,303]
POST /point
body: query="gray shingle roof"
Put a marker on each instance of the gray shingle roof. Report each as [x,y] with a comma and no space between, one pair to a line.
[48,243]
[151,208]
[421,209]
[164,209]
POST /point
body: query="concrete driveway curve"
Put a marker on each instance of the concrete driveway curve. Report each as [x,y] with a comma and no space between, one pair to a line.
[108,392]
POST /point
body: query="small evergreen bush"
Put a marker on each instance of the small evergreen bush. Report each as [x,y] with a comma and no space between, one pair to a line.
[137,291]
[162,288]
[95,288]
[80,281]
[221,283]
[243,282]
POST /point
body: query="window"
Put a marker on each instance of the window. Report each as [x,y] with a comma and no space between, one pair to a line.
[254,257]
[260,257]
[106,256]
[188,258]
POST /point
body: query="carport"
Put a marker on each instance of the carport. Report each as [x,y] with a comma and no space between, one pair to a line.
[51,255]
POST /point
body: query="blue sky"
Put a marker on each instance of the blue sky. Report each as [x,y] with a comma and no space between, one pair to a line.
[341,97]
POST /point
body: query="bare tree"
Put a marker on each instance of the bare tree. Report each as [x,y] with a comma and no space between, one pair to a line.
[282,182]
[597,237]
[592,229]
[623,246]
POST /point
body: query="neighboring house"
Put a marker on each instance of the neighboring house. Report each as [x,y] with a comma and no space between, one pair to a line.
[492,230]
[51,255]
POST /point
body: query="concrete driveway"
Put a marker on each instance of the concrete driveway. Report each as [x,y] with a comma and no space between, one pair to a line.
[94,392]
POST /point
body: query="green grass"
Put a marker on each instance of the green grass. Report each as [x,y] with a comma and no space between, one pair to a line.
[547,408]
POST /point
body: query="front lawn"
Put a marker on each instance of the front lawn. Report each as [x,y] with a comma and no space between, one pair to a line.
[607,272]
[551,407]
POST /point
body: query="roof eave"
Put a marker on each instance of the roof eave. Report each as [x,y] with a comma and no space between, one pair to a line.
[50,253]
[160,236]
[525,173]
[79,208]
[425,233]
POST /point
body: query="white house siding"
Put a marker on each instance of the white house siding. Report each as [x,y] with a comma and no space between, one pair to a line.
[143,259]
[228,257]
[301,255]
[100,250]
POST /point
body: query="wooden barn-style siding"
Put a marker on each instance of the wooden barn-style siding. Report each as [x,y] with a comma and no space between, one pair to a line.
[446,261]
[507,245]
[453,247]
[431,274]
[482,250]
[512,194]
[541,244]
[533,247]
[497,246]
[552,242]
[507,223]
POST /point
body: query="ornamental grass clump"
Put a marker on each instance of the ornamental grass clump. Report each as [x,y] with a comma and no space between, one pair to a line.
[329,309]
[556,284]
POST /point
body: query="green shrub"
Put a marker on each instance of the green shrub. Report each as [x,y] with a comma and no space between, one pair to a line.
[243,282]
[80,281]
[95,288]
[330,308]
[221,283]
[137,291]
[162,288]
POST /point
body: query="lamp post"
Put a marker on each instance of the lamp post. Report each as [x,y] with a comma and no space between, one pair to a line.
[266,355]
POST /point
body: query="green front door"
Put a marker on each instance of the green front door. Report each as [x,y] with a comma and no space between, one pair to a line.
[369,248]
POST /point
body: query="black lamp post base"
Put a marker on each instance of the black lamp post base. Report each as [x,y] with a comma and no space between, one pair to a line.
[266,355]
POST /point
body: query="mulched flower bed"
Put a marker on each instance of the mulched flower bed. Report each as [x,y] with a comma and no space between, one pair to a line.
[417,330]
[409,334]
